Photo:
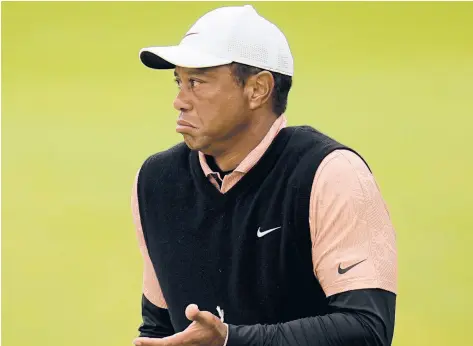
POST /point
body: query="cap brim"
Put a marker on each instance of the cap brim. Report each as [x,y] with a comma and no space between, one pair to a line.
[162,58]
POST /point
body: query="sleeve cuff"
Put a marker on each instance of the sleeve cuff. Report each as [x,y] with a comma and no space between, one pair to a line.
[245,335]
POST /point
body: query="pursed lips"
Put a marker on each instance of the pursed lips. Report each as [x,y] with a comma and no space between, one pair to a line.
[182,122]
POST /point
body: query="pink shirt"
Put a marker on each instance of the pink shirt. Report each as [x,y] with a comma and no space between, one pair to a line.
[348,219]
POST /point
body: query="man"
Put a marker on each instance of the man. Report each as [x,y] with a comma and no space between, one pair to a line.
[252,232]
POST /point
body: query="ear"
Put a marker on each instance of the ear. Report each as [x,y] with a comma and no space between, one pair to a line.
[259,88]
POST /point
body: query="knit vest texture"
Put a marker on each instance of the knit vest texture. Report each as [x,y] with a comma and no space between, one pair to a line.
[206,247]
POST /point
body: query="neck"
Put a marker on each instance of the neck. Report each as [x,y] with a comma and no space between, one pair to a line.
[241,144]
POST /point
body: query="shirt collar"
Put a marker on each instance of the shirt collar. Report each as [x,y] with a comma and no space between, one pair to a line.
[255,155]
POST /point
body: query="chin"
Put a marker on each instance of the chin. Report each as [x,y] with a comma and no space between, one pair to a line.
[191,142]
[194,143]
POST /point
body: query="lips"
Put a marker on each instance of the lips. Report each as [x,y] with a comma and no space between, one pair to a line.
[182,122]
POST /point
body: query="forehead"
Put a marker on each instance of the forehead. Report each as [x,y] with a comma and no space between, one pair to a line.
[214,72]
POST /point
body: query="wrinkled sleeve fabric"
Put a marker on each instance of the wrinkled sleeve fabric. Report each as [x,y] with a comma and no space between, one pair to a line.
[354,258]
[156,321]
[357,318]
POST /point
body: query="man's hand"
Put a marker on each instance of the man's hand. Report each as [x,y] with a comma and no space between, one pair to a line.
[205,330]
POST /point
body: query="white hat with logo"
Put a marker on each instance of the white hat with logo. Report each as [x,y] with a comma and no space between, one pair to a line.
[225,35]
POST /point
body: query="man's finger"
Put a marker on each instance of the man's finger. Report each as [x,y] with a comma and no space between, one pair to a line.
[173,340]
[145,342]
[204,317]
[192,312]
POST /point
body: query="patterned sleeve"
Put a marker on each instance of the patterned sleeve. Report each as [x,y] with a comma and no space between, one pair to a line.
[353,239]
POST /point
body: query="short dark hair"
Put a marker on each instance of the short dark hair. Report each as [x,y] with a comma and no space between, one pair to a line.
[282,84]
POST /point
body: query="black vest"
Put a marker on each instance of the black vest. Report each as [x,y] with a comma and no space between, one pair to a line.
[204,244]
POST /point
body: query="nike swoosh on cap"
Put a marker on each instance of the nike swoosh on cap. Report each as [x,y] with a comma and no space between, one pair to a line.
[191,33]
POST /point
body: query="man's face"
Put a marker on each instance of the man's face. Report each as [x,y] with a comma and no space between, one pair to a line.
[212,106]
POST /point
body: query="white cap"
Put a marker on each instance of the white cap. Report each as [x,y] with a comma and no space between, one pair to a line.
[226,35]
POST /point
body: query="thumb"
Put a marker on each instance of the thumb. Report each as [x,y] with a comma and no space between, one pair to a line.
[194,314]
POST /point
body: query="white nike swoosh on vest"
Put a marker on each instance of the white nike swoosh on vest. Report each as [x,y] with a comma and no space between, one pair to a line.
[262,234]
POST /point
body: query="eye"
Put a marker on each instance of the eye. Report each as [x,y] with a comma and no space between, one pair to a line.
[178,82]
[194,83]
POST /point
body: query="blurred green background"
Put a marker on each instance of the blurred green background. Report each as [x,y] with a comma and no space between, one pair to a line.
[80,114]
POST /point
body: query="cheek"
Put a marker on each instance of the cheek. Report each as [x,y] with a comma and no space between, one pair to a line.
[221,109]
[219,112]
[230,112]
[233,106]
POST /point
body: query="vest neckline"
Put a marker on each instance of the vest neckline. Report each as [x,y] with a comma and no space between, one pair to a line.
[254,176]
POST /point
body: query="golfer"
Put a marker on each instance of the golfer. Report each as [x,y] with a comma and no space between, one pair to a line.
[253,232]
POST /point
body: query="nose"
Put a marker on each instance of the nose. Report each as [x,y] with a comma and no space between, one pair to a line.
[180,103]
